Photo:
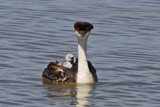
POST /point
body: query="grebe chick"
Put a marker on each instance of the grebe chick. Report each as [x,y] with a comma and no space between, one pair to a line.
[69,61]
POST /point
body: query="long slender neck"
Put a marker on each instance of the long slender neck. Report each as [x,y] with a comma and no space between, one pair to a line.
[84,75]
[82,55]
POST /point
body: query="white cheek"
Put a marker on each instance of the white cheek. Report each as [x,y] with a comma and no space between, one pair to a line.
[78,34]
[86,35]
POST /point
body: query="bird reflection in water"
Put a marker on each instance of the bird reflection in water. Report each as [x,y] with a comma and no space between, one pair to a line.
[78,94]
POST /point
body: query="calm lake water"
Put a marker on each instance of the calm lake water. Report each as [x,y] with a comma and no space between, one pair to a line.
[124,47]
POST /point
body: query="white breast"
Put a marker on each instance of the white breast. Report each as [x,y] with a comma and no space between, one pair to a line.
[67,64]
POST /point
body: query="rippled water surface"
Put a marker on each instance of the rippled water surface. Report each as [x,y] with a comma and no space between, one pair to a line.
[124,47]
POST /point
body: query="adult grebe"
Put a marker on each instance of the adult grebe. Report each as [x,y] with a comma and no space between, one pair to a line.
[82,70]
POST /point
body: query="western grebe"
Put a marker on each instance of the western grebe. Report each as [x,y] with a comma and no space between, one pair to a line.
[81,71]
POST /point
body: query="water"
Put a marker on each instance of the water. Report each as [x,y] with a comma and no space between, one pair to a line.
[124,47]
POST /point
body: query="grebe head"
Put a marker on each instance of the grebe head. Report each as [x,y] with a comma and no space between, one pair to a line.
[83,29]
[69,57]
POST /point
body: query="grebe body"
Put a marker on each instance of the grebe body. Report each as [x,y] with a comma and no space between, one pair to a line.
[74,70]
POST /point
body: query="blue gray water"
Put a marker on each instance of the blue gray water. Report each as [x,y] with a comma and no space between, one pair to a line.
[124,47]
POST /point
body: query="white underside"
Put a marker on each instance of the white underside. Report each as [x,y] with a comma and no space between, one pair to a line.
[83,75]
[86,78]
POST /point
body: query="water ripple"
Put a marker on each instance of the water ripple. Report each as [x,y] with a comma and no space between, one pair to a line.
[124,47]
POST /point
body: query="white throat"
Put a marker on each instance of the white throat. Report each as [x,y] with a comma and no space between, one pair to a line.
[83,75]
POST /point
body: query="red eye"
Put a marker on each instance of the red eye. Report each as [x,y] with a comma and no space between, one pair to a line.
[78,30]
[86,31]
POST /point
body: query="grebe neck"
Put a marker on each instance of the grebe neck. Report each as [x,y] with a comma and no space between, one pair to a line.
[83,75]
